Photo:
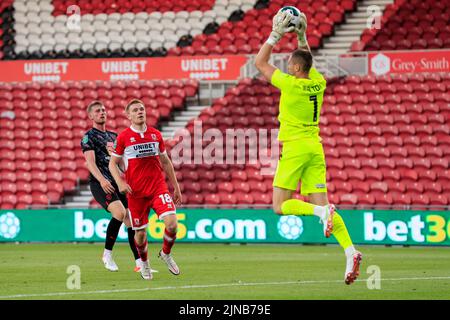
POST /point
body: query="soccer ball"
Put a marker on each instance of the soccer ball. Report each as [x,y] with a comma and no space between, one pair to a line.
[295,21]
[9,225]
[290,227]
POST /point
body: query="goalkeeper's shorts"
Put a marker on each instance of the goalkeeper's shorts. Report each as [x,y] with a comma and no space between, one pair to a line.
[302,161]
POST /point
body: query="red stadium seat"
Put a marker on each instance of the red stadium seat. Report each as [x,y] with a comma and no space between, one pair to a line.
[24,201]
[228,198]
[361,187]
[213,199]
[241,187]
[438,199]
[193,187]
[339,175]
[262,198]
[226,187]
[439,163]
[348,199]
[209,187]
[55,192]
[206,175]
[245,198]
[414,187]
[366,199]
[380,187]
[40,199]
[342,187]
[384,199]
[335,163]
[401,25]
[8,188]
[9,201]
[196,199]
[401,199]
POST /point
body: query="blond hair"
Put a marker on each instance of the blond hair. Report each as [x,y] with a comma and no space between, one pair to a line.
[92,105]
[133,101]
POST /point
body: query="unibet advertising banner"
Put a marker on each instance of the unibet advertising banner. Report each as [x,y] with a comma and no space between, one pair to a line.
[225,67]
[233,225]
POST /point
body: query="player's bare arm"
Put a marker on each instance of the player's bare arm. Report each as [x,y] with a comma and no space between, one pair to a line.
[121,163]
[280,22]
[305,47]
[169,170]
[93,169]
[262,61]
[114,163]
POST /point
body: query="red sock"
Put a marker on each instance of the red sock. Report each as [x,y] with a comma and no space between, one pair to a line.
[169,240]
[142,250]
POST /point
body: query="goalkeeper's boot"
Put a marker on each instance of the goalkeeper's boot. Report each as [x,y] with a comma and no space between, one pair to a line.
[146,271]
[168,259]
[352,268]
[109,263]
[327,221]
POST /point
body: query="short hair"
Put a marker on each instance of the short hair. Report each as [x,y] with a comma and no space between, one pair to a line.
[303,58]
[93,104]
[133,101]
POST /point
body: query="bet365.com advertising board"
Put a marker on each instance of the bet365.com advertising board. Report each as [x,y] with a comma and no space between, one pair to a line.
[232,226]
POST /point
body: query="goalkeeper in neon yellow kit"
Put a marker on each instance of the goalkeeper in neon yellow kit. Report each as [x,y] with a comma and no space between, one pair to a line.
[302,157]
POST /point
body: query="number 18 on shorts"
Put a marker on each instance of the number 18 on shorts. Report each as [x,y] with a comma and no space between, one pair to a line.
[139,208]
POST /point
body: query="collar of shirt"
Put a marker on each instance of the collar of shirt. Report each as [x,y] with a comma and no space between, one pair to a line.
[140,132]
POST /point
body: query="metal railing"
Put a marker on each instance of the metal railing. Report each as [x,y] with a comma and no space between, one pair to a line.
[213,89]
[249,69]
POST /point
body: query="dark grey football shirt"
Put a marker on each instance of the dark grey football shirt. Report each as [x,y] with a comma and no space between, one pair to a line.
[98,140]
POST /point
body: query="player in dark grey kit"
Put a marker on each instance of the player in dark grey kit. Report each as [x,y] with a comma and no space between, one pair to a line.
[97,145]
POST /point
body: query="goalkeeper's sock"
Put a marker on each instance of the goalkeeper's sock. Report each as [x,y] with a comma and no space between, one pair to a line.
[298,207]
[350,251]
[111,233]
[169,240]
[341,234]
[143,250]
[301,208]
[131,233]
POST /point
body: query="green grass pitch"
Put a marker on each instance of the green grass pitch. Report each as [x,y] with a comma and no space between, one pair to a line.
[218,271]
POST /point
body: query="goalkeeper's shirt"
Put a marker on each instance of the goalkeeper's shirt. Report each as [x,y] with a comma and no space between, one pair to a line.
[300,104]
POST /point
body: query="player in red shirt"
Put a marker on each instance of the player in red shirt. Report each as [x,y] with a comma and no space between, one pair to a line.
[143,151]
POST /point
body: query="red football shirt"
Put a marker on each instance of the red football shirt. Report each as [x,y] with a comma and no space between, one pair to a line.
[140,151]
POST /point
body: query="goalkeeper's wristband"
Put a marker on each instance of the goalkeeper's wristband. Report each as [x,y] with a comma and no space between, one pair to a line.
[273,38]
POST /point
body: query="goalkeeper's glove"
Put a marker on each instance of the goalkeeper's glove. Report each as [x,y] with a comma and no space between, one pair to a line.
[301,31]
[279,27]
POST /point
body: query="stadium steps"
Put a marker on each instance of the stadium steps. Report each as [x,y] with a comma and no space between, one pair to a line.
[208,91]
[180,120]
[80,199]
[347,33]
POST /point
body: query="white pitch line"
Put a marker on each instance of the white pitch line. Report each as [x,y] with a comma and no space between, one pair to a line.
[239,284]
